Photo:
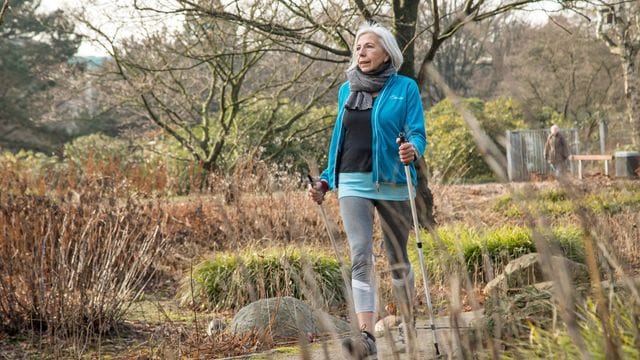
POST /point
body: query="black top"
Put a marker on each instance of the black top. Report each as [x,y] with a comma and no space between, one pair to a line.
[356,147]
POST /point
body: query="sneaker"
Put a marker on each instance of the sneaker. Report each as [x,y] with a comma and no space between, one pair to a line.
[402,342]
[401,345]
[362,347]
[402,338]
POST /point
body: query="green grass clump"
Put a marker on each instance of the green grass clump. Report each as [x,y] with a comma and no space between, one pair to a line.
[569,240]
[228,281]
[553,195]
[506,206]
[503,202]
[478,248]
[549,202]
[554,208]
[614,202]
[556,202]
[557,344]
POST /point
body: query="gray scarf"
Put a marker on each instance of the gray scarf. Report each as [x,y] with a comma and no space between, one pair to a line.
[362,85]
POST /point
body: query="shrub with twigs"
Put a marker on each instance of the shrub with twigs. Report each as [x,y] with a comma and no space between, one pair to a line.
[71,264]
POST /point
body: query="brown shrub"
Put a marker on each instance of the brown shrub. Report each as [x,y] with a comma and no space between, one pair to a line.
[71,266]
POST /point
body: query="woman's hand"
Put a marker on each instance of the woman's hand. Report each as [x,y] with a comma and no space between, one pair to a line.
[316,190]
[407,153]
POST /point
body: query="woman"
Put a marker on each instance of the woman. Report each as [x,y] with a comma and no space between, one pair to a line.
[366,166]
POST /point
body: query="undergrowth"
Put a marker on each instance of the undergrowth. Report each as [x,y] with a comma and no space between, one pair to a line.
[477,249]
[230,281]
[556,202]
[555,342]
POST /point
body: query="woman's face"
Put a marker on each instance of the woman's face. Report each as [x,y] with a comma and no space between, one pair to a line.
[370,53]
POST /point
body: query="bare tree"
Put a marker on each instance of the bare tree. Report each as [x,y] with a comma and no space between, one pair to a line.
[619,27]
[330,25]
[561,66]
[218,89]
[470,61]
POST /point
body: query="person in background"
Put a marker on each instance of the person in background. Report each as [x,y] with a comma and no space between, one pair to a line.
[556,151]
[366,166]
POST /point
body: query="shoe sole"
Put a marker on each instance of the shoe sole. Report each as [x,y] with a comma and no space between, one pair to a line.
[359,357]
[349,353]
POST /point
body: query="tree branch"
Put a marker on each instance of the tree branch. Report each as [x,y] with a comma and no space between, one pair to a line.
[267,27]
[3,10]
[363,10]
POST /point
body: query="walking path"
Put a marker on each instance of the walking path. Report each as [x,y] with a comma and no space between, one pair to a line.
[446,339]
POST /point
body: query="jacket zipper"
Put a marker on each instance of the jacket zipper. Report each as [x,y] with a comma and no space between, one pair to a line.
[376,110]
[338,146]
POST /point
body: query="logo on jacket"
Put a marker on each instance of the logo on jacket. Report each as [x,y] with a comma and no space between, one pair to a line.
[396,97]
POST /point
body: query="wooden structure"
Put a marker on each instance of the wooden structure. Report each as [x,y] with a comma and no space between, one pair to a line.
[581,158]
[525,152]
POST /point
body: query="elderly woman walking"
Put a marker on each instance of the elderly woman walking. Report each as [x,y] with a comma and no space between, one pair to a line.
[366,167]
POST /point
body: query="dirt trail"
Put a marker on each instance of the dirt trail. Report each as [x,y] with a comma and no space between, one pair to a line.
[426,349]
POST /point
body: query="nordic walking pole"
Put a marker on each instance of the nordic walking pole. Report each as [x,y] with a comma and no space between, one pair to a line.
[414,213]
[343,271]
[326,224]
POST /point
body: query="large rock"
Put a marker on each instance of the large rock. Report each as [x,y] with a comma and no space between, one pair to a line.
[285,318]
[527,270]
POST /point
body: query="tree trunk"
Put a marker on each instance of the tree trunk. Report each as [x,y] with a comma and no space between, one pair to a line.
[623,39]
[404,23]
[632,99]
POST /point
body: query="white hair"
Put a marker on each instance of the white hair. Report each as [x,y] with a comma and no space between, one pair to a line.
[388,41]
[554,129]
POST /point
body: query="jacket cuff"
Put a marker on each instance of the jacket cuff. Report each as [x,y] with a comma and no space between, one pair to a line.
[324,185]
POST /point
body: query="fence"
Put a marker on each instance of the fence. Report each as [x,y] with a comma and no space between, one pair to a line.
[525,153]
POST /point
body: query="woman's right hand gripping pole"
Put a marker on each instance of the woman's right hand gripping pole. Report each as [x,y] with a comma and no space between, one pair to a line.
[316,189]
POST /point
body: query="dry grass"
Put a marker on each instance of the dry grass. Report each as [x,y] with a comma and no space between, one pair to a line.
[73,260]
[79,253]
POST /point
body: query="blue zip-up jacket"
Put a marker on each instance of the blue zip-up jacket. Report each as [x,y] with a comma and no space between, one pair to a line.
[398,108]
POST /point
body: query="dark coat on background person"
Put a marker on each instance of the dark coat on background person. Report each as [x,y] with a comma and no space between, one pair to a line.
[556,151]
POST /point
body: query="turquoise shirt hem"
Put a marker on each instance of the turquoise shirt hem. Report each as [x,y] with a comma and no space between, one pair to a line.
[361,185]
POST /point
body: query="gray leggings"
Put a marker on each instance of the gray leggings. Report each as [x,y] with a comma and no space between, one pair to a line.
[395,219]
